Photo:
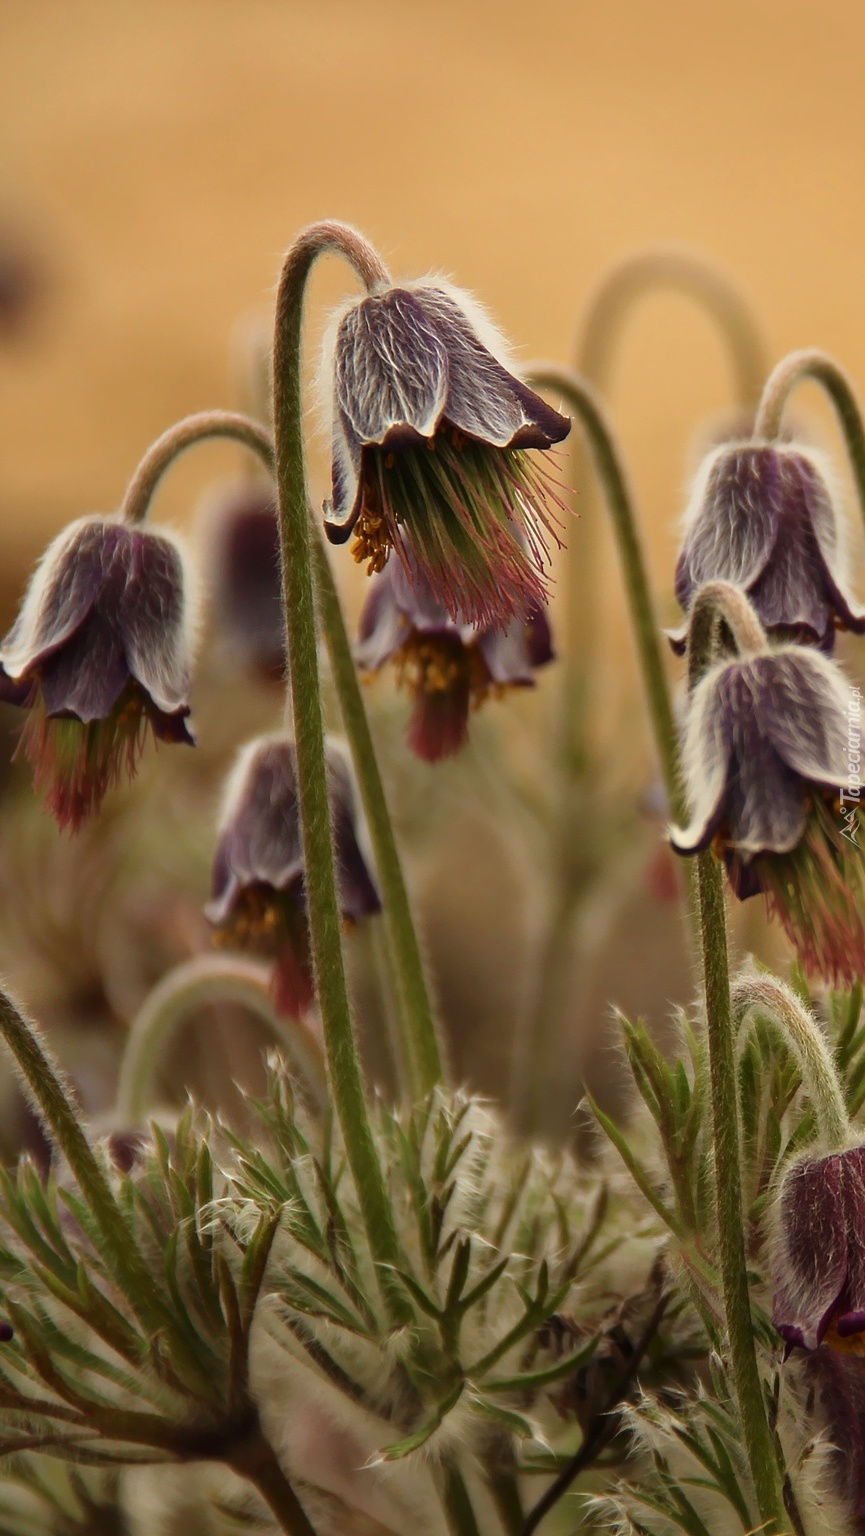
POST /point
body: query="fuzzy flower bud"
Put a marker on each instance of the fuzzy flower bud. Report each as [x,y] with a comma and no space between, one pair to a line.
[446,665]
[431,429]
[819,1293]
[769,743]
[764,517]
[100,650]
[258,886]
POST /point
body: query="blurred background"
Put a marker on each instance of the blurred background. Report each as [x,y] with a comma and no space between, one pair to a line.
[157,159]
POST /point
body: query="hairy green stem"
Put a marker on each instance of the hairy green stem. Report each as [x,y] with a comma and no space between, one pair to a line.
[686,272]
[419,1038]
[805,1040]
[259,1465]
[581,397]
[297,546]
[620,289]
[44,1084]
[720,607]
[714,604]
[813,364]
[532,1045]
[197,984]
[417,1028]
[184,434]
[461,1518]
[505,1489]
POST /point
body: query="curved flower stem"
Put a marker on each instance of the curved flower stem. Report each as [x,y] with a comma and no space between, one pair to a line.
[686,272]
[582,398]
[713,604]
[719,605]
[302,646]
[419,1039]
[530,1054]
[620,289]
[806,1042]
[192,429]
[44,1084]
[196,984]
[813,364]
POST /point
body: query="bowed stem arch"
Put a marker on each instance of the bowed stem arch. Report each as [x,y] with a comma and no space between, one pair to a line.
[421,1053]
[816,366]
[652,270]
[306,578]
[299,563]
[599,435]
[719,607]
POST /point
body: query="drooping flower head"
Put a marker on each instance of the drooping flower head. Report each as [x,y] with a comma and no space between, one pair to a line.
[818,1300]
[100,651]
[258,884]
[431,432]
[764,516]
[819,1260]
[447,666]
[771,760]
[241,532]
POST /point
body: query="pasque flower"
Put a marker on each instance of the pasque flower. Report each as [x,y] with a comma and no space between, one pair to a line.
[446,665]
[819,1261]
[258,880]
[764,517]
[818,1300]
[100,650]
[431,432]
[769,742]
[241,533]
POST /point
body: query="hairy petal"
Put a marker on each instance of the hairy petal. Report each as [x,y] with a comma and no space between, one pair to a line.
[61,594]
[802,700]
[732,519]
[507,654]
[391,367]
[763,517]
[155,620]
[706,756]
[484,399]
[820,1245]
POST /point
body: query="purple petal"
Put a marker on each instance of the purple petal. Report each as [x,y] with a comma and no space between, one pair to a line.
[733,520]
[12,692]
[391,369]
[148,580]
[261,842]
[86,677]
[762,730]
[439,722]
[838,1383]
[382,627]
[762,517]
[820,1253]
[61,595]
[540,636]
[243,534]
[507,656]
[484,399]
[765,802]
[801,700]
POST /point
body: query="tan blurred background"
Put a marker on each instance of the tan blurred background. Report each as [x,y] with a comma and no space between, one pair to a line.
[158,156]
